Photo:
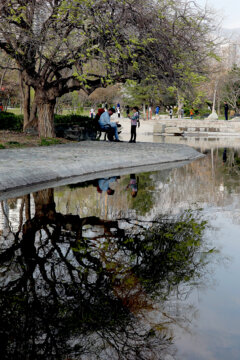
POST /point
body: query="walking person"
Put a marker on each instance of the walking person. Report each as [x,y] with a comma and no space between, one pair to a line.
[226,108]
[134,122]
[171,112]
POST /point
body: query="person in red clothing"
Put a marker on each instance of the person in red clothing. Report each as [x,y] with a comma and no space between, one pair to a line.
[99,113]
[191,113]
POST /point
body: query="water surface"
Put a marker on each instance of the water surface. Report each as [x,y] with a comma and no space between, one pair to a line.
[142,266]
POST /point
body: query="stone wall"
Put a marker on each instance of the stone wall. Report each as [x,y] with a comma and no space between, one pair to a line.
[199,126]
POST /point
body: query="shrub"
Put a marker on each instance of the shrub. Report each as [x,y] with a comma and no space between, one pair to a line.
[14,144]
[10,121]
[49,141]
[85,121]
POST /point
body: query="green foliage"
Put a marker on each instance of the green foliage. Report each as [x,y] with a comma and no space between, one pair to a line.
[49,141]
[149,91]
[14,144]
[171,249]
[230,90]
[62,122]
[72,119]
[9,121]
[2,146]
[144,200]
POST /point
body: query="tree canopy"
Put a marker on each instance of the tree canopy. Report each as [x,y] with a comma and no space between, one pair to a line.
[60,46]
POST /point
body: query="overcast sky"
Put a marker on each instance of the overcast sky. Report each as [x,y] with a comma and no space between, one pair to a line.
[229,9]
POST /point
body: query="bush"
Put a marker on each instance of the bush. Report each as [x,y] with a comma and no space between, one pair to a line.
[64,122]
[10,121]
[71,119]
[49,141]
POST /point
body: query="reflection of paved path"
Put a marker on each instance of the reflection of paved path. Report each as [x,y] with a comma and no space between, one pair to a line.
[84,161]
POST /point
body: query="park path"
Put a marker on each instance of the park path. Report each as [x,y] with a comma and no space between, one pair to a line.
[31,169]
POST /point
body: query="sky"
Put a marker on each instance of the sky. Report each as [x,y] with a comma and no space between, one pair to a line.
[228,9]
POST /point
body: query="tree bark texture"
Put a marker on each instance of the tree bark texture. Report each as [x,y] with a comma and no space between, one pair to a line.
[33,113]
[180,104]
[26,105]
[46,119]
[44,203]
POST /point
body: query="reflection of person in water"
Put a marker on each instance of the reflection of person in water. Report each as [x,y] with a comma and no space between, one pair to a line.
[224,155]
[103,185]
[133,185]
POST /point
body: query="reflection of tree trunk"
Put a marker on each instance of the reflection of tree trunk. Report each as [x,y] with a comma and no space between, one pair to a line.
[44,203]
[5,210]
[27,207]
[21,214]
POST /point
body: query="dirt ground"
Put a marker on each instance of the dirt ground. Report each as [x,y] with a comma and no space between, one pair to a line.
[12,139]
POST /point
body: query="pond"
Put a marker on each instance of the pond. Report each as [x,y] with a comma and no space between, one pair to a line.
[140,266]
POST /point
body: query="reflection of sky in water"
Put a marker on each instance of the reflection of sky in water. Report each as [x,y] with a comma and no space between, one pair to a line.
[216,331]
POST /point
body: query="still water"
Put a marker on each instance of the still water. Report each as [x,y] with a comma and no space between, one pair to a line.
[142,266]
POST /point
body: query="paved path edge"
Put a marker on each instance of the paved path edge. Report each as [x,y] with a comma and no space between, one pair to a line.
[22,172]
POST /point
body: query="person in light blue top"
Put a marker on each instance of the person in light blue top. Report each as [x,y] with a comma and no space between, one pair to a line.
[105,120]
[103,185]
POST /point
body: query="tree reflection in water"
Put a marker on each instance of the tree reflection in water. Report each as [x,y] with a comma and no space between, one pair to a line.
[86,288]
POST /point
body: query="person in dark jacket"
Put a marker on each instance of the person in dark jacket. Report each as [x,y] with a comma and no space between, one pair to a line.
[226,108]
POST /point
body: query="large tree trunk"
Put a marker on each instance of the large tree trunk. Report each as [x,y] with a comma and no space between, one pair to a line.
[25,91]
[26,105]
[33,121]
[33,113]
[46,119]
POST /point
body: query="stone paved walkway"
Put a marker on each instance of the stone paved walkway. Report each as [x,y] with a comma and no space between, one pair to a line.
[41,167]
